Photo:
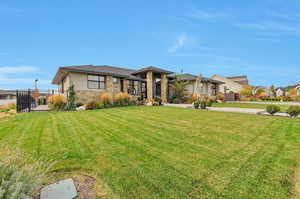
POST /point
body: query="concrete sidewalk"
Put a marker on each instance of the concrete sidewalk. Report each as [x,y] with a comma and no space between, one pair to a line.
[237,110]
[232,110]
[278,103]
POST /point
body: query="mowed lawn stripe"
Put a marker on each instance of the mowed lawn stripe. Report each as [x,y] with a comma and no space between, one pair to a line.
[163,152]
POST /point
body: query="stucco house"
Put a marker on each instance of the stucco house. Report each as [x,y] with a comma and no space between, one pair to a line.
[281,91]
[90,80]
[231,84]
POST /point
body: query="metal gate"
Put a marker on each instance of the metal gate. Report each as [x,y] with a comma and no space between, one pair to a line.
[25,100]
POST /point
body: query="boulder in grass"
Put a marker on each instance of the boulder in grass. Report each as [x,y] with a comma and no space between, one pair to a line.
[80,108]
[64,189]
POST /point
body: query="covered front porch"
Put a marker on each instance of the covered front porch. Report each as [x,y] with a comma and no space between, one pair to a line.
[156,81]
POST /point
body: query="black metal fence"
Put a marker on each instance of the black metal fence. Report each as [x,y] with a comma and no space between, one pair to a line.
[25,100]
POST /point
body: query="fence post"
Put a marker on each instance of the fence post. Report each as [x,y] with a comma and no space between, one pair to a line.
[29,100]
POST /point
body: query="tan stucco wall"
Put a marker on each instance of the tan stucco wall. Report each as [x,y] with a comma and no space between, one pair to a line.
[229,84]
[83,93]
[204,88]
[64,85]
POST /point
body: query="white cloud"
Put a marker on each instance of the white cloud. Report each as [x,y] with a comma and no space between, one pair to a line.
[17,69]
[210,16]
[180,43]
[272,27]
[283,16]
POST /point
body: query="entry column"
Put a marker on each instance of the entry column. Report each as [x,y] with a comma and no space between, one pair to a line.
[149,86]
[164,88]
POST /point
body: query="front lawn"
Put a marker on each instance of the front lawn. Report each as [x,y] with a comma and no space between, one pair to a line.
[165,152]
[249,105]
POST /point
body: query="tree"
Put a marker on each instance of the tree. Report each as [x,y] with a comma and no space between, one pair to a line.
[292,92]
[179,89]
[273,91]
[71,97]
[259,91]
[246,91]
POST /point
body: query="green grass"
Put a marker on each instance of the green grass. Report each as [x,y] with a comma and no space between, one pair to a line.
[249,105]
[164,152]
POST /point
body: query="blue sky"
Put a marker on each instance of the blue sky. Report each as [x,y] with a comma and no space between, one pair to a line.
[258,38]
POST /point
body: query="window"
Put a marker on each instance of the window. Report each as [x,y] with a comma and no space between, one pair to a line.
[116,80]
[133,87]
[96,82]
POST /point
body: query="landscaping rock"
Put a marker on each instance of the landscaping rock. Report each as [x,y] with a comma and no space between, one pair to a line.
[64,189]
[80,108]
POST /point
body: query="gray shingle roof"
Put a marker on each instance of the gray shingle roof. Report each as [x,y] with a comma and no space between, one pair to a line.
[152,68]
[101,70]
[190,77]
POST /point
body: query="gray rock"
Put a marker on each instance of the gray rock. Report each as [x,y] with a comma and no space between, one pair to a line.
[81,108]
[64,189]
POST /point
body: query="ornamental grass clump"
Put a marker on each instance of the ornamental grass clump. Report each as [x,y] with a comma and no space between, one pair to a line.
[293,111]
[58,102]
[21,177]
[272,109]
[122,99]
[106,99]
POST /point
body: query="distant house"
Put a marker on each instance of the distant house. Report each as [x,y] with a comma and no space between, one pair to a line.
[283,91]
[231,84]
[7,94]
[90,81]
[199,85]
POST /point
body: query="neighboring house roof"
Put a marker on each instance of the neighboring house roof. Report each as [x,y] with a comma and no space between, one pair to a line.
[242,79]
[190,77]
[151,68]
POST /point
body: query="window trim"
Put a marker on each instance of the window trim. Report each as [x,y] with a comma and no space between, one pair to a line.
[98,81]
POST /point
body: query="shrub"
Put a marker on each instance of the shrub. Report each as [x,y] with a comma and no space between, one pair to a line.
[293,111]
[158,100]
[106,99]
[221,96]
[272,109]
[21,177]
[71,98]
[196,104]
[58,102]
[122,99]
[209,103]
[92,105]
[203,104]
[79,104]
[154,103]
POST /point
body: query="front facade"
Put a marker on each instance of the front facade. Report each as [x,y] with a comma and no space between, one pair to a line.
[90,81]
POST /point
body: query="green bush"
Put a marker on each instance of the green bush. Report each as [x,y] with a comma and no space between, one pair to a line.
[71,97]
[272,109]
[293,111]
[158,100]
[92,105]
[209,103]
[203,104]
[196,104]
[79,104]
[21,177]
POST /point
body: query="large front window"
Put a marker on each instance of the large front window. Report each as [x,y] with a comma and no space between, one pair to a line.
[96,82]
[133,88]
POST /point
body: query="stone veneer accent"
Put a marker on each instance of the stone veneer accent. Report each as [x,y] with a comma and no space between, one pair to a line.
[109,84]
[164,88]
[85,96]
[125,85]
[149,86]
